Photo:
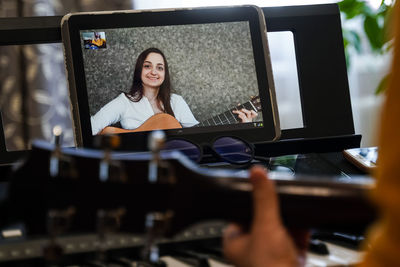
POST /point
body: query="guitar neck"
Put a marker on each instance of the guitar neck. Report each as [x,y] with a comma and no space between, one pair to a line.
[305,202]
[228,117]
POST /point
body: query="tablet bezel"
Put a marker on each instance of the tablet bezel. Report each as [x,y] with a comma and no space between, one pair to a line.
[72,24]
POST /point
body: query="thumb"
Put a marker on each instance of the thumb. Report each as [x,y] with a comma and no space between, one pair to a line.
[234,243]
[265,201]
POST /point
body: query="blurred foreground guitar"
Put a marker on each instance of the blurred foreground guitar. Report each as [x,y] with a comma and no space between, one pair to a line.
[163,121]
[141,183]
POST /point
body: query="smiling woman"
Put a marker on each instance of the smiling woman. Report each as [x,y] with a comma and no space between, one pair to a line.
[149,97]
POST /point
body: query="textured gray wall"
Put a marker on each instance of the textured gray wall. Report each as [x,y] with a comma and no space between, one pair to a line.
[211,65]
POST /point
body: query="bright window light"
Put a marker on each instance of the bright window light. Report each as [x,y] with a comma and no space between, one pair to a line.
[150,4]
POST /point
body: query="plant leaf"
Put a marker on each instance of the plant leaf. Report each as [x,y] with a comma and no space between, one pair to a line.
[374,32]
[382,84]
[352,38]
[353,8]
[347,57]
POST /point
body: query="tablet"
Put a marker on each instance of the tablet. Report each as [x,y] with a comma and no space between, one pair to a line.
[196,73]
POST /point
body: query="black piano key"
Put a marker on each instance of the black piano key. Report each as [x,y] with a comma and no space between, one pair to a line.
[97,263]
[213,252]
[318,247]
[192,262]
[125,261]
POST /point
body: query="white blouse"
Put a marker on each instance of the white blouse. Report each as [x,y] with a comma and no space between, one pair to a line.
[132,114]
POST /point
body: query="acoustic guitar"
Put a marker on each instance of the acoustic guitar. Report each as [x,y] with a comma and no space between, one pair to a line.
[228,117]
[163,121]
[185,191]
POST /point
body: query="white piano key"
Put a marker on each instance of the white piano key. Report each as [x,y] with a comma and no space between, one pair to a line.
[215,263]
[338,256]
[172,262]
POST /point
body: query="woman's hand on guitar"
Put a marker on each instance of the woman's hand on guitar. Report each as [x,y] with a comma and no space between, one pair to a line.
[268,242]
[246,115]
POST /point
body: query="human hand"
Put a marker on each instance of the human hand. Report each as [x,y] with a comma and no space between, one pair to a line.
[268,243]
[246,115]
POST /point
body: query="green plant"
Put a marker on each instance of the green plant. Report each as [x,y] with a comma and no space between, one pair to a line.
[376,26]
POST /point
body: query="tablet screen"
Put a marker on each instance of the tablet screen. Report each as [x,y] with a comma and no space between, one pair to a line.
[207,70]
[189,77]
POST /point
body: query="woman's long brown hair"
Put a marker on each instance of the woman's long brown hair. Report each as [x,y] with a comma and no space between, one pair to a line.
[164,94]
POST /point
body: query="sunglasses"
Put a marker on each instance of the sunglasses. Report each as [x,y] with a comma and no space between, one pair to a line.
[227,148]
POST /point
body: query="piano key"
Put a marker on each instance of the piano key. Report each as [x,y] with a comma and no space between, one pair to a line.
[338,256]
[215,263]
[178,261]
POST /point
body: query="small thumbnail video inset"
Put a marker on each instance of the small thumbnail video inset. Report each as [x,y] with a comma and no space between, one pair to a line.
[94,40]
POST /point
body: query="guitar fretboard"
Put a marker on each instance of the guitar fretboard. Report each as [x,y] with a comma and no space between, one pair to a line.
[227,117]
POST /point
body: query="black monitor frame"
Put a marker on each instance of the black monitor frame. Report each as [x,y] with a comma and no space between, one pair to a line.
[321,65]
[323,81]
[25,31]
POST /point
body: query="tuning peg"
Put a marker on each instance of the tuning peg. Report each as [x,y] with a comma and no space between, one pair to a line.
[110,141]
[57,133]
[60,165]
[55,157]
[108,221]
[156,224]
[58,221]
[109,169]
[156,143]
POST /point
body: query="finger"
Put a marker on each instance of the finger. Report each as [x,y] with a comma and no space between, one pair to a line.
[265,202]
[301,238]
[232,231]
[234,242]
[241,115]
[253,114]
[247,112]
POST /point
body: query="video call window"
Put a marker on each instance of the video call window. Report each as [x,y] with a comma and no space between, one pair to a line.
[210,67]
[94,40]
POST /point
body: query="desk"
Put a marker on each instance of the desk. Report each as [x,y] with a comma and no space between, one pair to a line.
[332,163]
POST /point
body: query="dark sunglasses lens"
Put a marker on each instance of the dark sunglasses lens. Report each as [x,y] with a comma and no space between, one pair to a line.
[188,149]
[233,150]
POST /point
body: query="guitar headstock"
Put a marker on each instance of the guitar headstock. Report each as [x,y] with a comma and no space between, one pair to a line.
[255,100]
[35,190]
